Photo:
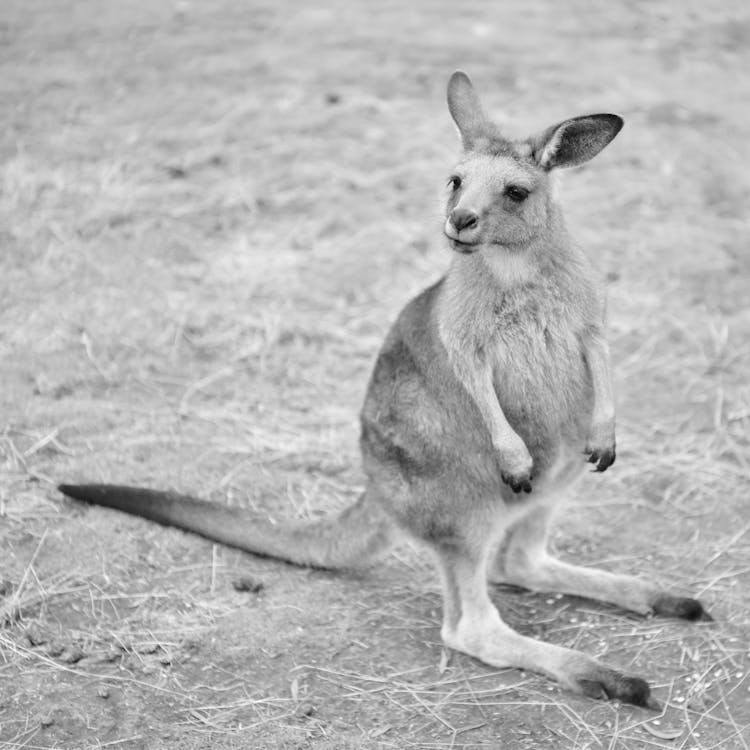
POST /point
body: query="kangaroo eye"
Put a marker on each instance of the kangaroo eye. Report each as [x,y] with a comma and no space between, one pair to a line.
[454,181]
[516,193]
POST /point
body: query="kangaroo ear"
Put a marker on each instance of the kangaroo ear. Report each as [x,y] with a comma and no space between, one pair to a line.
[465,108]
[575,141]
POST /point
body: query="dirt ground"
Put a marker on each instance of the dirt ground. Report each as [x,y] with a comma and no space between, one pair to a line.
[209,215]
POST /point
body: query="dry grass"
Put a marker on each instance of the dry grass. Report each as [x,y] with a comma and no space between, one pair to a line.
[209,214]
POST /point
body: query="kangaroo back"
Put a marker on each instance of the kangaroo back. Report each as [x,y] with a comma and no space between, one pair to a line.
[349,540]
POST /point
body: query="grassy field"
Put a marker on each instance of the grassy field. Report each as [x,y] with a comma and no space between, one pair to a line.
[209,215]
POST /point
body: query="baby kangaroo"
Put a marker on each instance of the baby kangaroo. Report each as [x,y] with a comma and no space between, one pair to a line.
[491,390]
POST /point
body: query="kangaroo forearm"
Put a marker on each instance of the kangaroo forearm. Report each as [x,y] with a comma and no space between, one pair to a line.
[476,378]
[597,358]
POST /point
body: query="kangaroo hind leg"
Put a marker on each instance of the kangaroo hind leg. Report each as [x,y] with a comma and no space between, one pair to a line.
[523,560]
[473,625]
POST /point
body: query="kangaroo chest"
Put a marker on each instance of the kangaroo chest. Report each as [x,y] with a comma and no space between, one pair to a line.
[536,347]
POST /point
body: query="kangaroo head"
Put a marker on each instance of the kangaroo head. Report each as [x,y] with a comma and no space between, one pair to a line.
[500,190]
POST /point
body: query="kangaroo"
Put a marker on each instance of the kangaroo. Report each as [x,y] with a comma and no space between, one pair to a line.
[489,395]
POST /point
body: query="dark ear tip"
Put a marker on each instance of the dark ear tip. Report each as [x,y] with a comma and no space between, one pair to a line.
[612,121]
[616,122]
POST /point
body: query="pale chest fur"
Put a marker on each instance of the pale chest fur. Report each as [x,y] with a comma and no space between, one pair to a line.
[531,334]
[535,345]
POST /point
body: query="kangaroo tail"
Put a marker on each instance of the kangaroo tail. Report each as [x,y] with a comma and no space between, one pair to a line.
[351,539]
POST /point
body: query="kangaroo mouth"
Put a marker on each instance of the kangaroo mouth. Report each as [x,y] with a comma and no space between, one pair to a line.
[467,244]
[465,248]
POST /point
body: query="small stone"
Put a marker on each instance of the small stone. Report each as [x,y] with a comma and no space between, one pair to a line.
[54,649]
[306,709]
[35,636]
[103,692]
[72,655]
[47,721]
[248,583]
[113,653]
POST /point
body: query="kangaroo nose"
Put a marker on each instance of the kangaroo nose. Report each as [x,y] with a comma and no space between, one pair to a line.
[463,218]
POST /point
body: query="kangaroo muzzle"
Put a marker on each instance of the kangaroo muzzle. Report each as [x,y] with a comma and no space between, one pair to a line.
[462,226]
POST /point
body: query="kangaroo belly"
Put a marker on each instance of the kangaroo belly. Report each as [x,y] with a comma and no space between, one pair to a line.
[543,386]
